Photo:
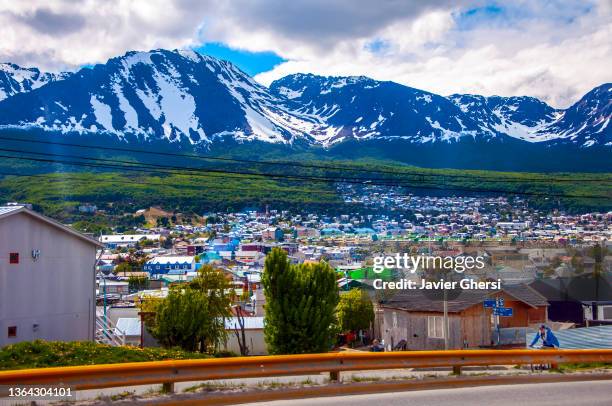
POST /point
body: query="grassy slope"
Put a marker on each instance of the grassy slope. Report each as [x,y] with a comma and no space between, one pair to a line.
[59,193]
[41,354]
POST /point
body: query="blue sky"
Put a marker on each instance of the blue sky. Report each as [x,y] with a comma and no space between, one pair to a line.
[250,62]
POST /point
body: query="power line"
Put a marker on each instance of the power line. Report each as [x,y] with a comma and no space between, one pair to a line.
[199,169]
[211,171]
[311,166]
[206,172]
[362,181]
[62,178]
[149,168]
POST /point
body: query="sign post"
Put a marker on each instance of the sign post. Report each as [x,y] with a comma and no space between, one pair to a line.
[499,310]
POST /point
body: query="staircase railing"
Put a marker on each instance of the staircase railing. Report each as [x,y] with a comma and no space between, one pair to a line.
[107,332]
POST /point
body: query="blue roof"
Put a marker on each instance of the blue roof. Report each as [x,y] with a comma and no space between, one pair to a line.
[364,230]
[331,230]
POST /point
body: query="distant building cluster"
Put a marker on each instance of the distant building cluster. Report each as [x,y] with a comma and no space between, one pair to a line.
[547,262]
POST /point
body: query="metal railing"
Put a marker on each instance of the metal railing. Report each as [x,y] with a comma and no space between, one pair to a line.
[107,332]
[168,372]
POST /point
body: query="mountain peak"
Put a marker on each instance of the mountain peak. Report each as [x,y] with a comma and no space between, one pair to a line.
[293,86]
[15,79]
[182,95]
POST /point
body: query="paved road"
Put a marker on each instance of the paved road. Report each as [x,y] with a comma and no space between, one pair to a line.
[592,393]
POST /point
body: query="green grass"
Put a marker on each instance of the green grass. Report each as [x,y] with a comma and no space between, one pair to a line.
[41,354]
[584,366]
[59,194]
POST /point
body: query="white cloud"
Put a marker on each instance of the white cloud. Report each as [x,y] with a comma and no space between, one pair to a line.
[556,56]
[553,50]
[61,34]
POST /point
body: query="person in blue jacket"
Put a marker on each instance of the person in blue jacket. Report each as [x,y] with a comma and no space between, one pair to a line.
[548,338]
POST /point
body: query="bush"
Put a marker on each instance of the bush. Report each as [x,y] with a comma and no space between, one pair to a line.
[191,316]
[41,354]
[355,311]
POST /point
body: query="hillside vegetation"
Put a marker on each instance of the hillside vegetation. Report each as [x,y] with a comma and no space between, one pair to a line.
[199,191]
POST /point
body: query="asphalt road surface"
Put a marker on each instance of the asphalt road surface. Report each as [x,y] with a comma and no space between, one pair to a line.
[591,393]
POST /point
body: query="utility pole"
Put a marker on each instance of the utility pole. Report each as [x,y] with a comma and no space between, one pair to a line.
[446,326]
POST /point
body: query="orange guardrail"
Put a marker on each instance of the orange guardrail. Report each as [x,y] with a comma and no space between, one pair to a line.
[168,372]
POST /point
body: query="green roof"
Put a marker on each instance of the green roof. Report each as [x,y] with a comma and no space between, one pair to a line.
[368,273]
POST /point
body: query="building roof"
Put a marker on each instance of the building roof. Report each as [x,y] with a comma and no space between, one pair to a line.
[171,260]
[6,211]
[526,294]
[417,300]
[581,338]
[573,289]
[119,238]
[130,326]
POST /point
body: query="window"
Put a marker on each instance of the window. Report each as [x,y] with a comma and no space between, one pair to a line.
[394,320]
[435,326]
[14,258]
[12,331]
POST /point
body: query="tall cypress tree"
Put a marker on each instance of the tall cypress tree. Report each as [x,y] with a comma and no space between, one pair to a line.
[300,305]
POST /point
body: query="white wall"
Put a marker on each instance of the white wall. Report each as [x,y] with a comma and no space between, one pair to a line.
[56,292]
[255,342]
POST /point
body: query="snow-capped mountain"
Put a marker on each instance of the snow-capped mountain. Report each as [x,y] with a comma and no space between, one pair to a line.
[362,108]
[14,79]
[182,95]
[159,94]
[529,119]
[587,121]
[518,117]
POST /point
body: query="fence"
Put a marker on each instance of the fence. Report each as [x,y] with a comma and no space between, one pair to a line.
[168,372]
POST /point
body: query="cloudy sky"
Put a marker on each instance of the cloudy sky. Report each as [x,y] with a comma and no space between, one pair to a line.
[552,49]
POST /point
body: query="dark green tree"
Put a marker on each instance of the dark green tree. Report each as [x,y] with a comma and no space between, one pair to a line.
[182,319]
[192,315]
[300,305]
[123,268]
[355,311]
[136,283]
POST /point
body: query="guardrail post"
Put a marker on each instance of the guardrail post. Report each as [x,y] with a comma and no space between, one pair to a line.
[334,376]
[168,387]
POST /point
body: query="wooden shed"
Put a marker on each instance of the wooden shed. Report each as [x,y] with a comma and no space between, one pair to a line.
[418,318]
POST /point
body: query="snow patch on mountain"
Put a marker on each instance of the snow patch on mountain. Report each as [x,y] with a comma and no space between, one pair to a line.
[103,113]
[15,79]
[183,95]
